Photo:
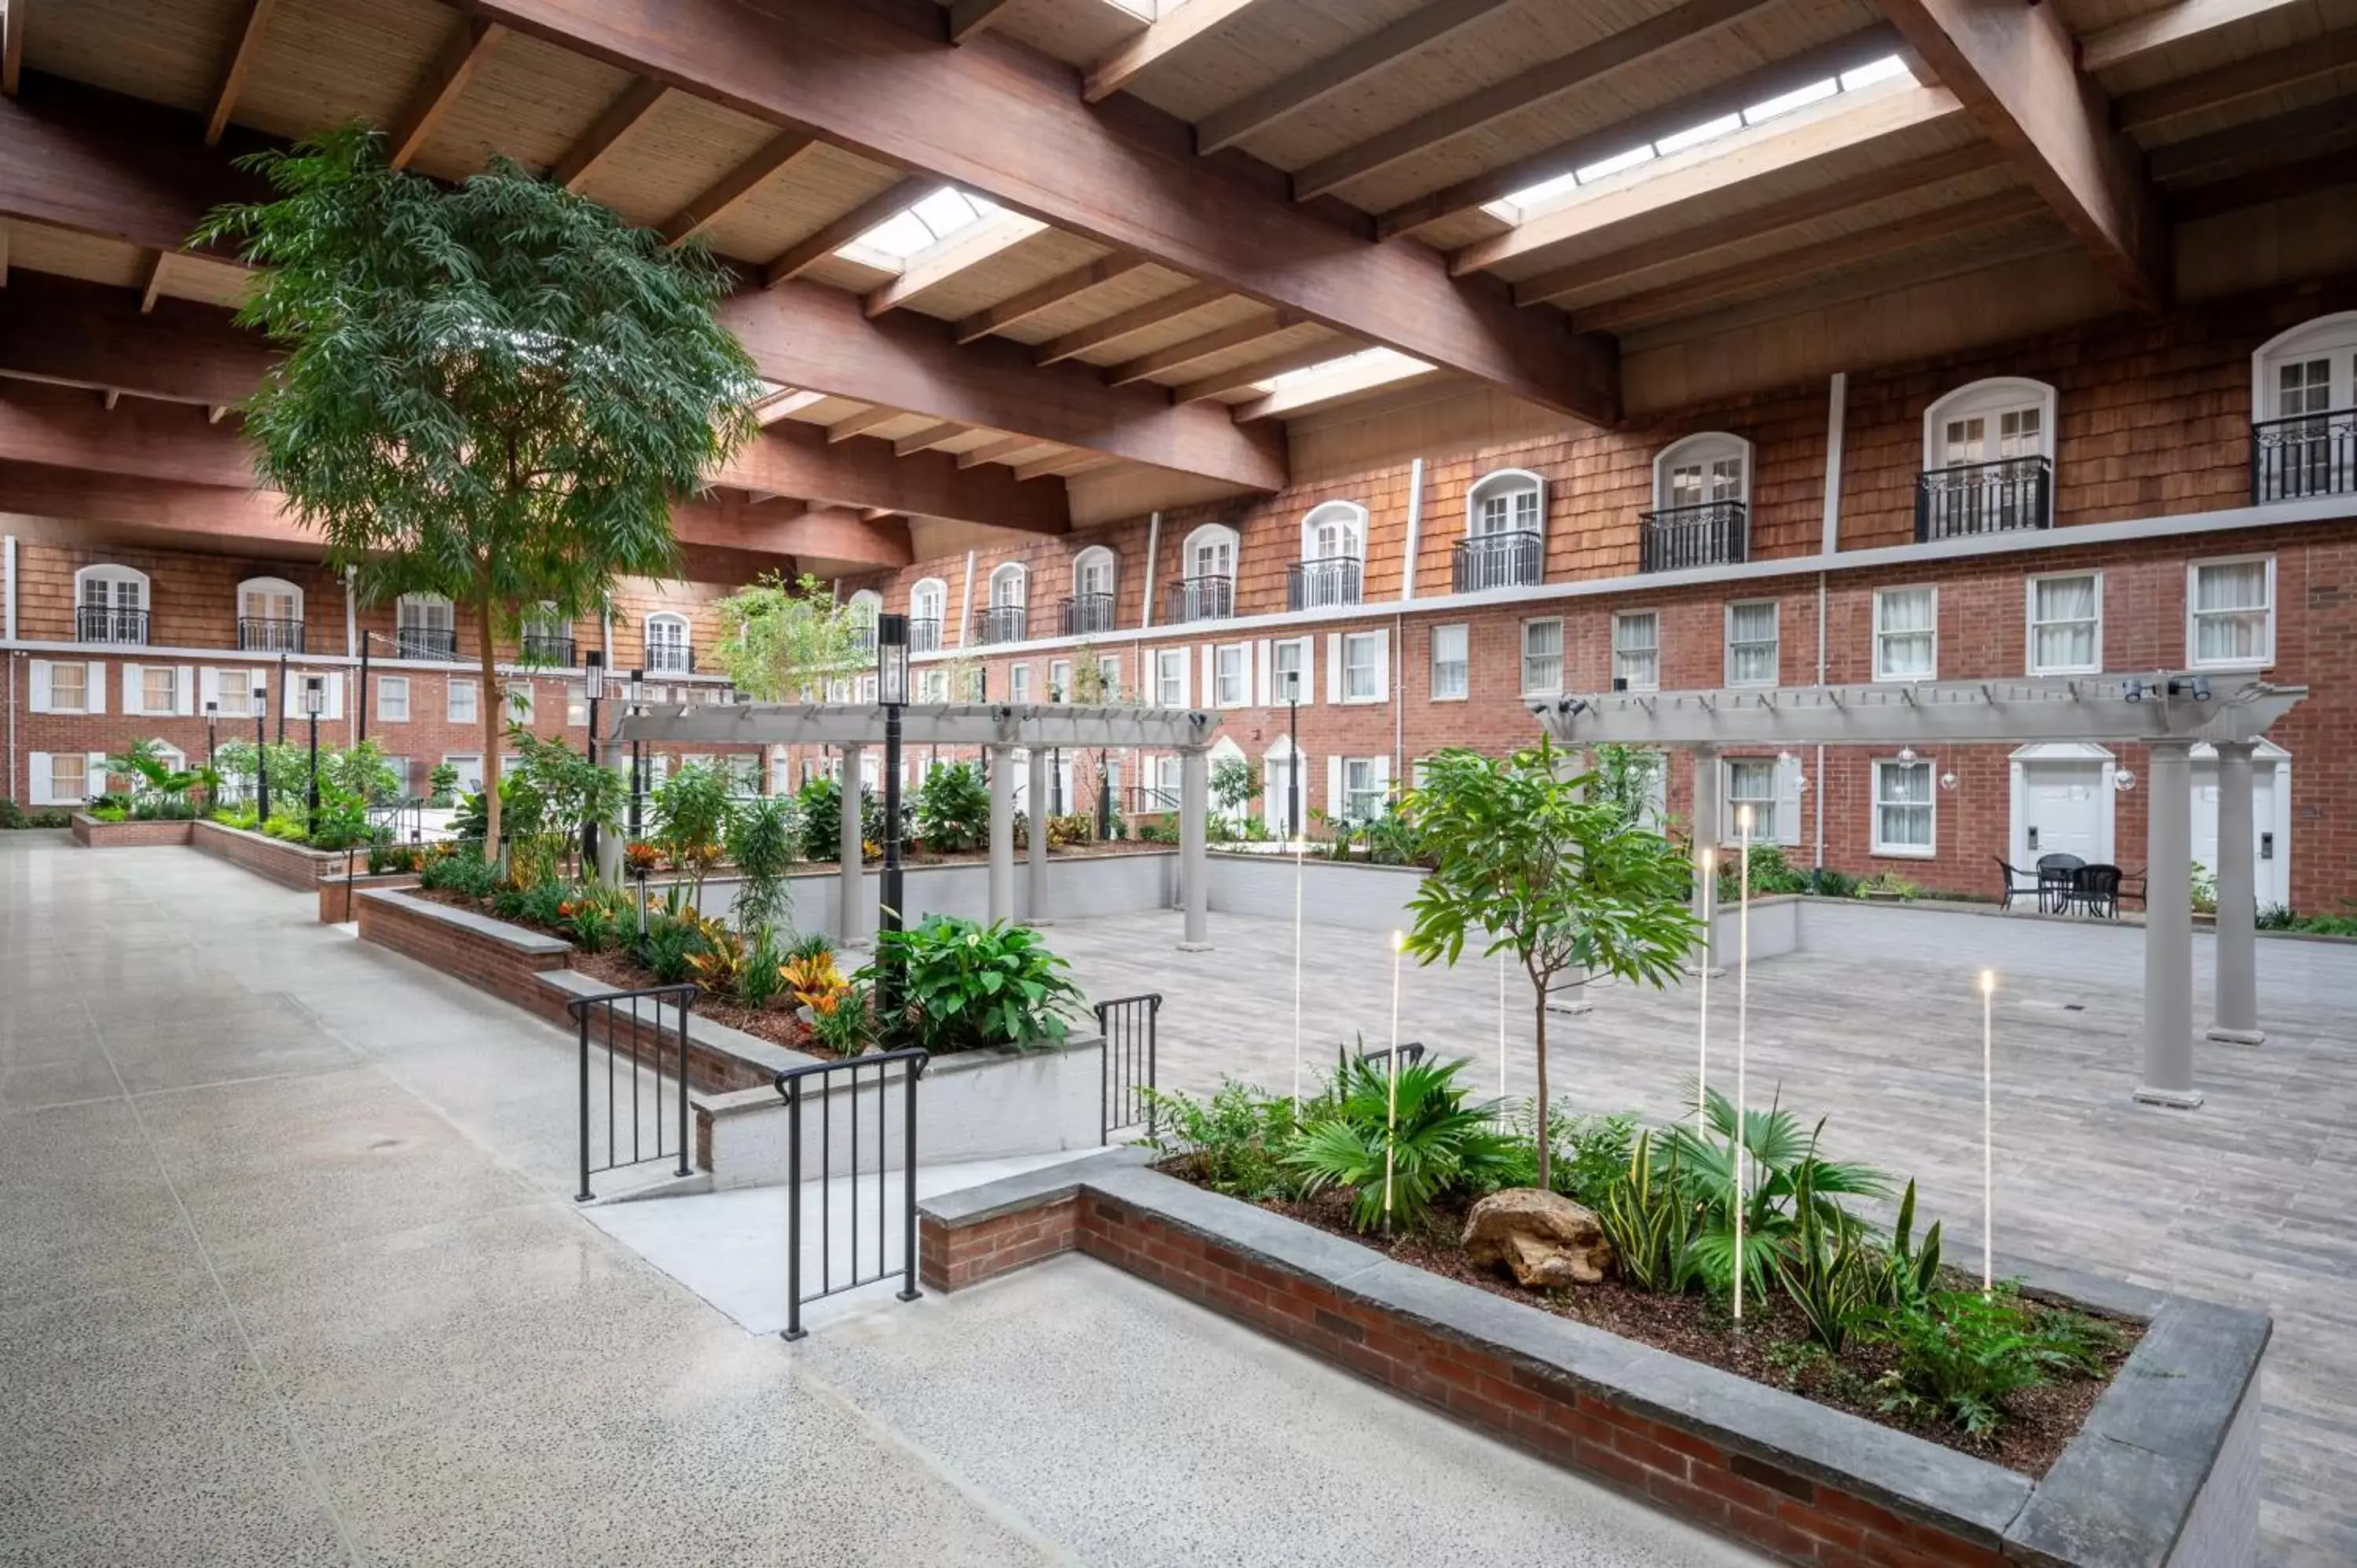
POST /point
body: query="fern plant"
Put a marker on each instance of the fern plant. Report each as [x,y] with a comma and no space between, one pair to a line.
[1434,1141]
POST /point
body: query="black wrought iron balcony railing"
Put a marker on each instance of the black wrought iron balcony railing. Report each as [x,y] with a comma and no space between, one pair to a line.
[1199,598]
[551,648]
[269,636]
[1084,615]
[862,637]
[1513,560]
[1000,623]
[427,642]
[2307,454]
[670,658]
[1324,583]
[924,634]
[1985,498]
[97,623]
[1673,538]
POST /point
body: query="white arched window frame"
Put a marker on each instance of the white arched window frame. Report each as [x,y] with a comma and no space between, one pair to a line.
[1010,586]
[269,598]
[2310,369]
[1989,422]
[1706,468]
[423,621]
[1210,552]
[1509,501]
[926,602]
[867,605]
[667,646]
[1336,529]
[1095,571]
[110,602]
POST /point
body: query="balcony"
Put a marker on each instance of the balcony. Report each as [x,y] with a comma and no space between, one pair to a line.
[1323,583]
[1084,615]
[1513,560]
[1985,498]
[1000,623]
[1199,598]
[425,642]
[269,636]
[2310,454]
[97,623]
[670,658]
[1716,533]
[924,634]
[553,648]
[863,637]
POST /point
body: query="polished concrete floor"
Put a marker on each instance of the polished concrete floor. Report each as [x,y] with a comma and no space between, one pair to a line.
[290,1275]
[2250,1199]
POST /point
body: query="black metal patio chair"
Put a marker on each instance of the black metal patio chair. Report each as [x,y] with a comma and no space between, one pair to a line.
[2054,881]
[2018,883]
[2096,889]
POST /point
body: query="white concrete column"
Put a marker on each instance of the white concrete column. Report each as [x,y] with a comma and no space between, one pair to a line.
[1002,833]
[615,757]
[1705,855]
[851,923]
[1194,858]
[1036,852]
[2169,931]
[2236,1003]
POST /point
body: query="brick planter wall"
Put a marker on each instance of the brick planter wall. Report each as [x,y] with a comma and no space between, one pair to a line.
[504,960]
[96,834]
[288,865]
[338,898]
[2159,1474]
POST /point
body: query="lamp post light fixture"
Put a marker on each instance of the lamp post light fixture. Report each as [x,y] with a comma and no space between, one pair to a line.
[634,694]
[892,691]
[212,713]
[315,698]
[593,666]
[261,751]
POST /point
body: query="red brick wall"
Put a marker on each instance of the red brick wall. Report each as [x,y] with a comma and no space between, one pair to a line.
[500,968]
[950,1259]
[288,865]
[90,830]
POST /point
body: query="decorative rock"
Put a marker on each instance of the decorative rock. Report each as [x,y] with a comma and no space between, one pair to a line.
[1547,1241]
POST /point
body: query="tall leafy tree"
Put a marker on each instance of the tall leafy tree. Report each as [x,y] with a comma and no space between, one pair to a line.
[1532,859]
[785,639]
[492,392]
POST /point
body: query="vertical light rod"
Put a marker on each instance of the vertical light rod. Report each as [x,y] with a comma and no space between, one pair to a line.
[1702,1033]
[1297,967]
[1989,1123]
[1742,1030]
[1390,1107]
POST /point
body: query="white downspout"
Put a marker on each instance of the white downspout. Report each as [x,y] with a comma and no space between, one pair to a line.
[1836,419]
[965,609]
[1153,553]
[8,588]
[1414,528]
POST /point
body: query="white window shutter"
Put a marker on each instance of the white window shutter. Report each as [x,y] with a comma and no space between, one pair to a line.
[184,691]
[41,697]
[1309,669]
[1384,774]
[1334,786]
[94,683]
[1262,691]
[1334,666]
[38,782]
[1186,670]
[1211,674]
[93,774]
[208,688]
[131,691]
[1384,664]
[1788,801]
[335,696]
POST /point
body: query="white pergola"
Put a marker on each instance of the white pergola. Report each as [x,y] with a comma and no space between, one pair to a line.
[2167,712]
[1000,729]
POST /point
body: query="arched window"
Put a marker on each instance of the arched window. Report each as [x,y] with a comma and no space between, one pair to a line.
[1711,468]
[1333,545]
[1336,528]
[1991,420]
[862,610]
[110,604]
[2304,410]
[1206,589]
[426,627]
[667,648]
[925,605]
[1094,575]
[1010,600]
[1210,552]
[1510,500]
[270,616]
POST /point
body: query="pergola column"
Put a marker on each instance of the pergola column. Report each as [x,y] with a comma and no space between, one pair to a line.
[1002,833]
[1036,846]
[1194,846]
[1706,856]
[854,871]
[2236,1000]
[615,757]
[2169,931]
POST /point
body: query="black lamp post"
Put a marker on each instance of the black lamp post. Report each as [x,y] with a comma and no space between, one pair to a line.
[212,714]
[261,754]
[362,696]
[315,698]
[892,691]
[635,694]
[593,665]
[283,688]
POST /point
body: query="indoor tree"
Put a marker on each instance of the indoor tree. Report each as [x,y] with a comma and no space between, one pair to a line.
[1527,858]
[786,639]
[492,392]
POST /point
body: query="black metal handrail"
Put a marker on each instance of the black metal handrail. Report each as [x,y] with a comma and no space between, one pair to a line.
[1322,584]
[99,623]
[1084,614]
[1984,498]
[1199,598]
[1145,798]
[2307,455]
[639,1037]
[812,1089]
[551,648]
[924,635]
[427,642]
[670,658]
[1410,1054]
[1000,623]
[1126,1075]
[1715,533]
[1513,560]
[255,636]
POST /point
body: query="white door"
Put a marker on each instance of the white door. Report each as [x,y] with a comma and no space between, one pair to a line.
[1276,804]
[2065,809]
[2270,852]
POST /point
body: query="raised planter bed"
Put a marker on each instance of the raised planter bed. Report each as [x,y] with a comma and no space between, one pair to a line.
[94,833]
[339,897]
[288,865]
[2163,1474]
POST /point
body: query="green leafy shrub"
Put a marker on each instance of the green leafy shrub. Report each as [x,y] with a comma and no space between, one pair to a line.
[465,872]
[2204,884]
[1785,1165]
[760,839]
[1884,884]
[807,945]
[967,986]
[545,904]
[671,946]
[110,809]
[1648,1217]
[442,786]
[386,859]
[1771,872]
[1960,1354]
[765,961]
[953,810]
[843,1022]
[1823,1266]
[1826,883]
[1236,1141]
[1434,1143]
[12,815]
[1907,1274]
[818,806]
[595,916]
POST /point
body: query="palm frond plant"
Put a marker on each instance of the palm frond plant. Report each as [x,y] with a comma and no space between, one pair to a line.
[1436,1142]
[1783,1169]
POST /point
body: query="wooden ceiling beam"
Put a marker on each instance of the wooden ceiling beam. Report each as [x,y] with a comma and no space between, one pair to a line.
[971,18]
[1540,84]
[1201,346]
[2256,145]
[1045,297]
[716,201]
[1338,72]
[155,282]
[860,423]
[1298,358]
[1161,39]
[88,334]
[1003,121]
[622,117]
[460,58]
[2285,182]
[931,436]
[12,45]
[797,460]
[240,66]
[785,405]
[2225,85]
[2015,68]
[1752,222]
[1770,81]
[946,258]
[2171,24]
[1290,399]
[1128,323]
[836,232]
[1061,463]
[1000,450]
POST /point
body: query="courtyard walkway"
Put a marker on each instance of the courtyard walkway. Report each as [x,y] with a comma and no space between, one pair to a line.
[289,1275]
[2247,1200]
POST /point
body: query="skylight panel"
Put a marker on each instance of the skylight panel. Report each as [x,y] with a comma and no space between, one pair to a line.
[924,222]
[1589,173]
[1799,98]
[1882,69]
[1682,140]
[1359,366]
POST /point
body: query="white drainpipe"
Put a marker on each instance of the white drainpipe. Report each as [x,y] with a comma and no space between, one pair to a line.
[1153,551]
